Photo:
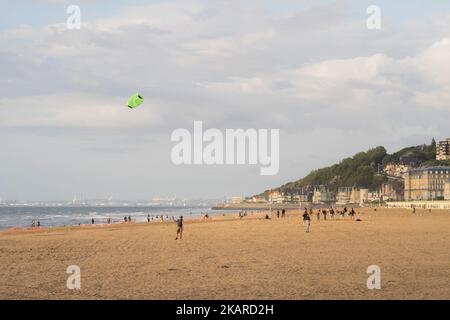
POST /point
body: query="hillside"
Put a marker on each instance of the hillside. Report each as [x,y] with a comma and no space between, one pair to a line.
[362,170]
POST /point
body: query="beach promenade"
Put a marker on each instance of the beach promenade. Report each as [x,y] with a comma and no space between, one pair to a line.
[230,258]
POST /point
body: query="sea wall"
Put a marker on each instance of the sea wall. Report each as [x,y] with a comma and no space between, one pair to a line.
[419,204]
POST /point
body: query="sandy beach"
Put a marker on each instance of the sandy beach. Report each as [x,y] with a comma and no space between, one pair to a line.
[232,258]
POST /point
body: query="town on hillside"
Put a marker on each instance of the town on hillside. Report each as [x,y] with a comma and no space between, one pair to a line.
[406,182]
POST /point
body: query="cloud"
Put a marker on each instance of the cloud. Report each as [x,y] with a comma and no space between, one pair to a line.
[74,111]
[331,86]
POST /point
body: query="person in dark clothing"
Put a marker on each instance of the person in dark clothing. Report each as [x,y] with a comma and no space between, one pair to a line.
[307,221]
[352,214]
[180,227]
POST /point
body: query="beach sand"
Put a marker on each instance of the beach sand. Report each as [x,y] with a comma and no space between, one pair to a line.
[229,258]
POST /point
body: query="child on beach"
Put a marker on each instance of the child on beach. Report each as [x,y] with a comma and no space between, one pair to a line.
[180,226]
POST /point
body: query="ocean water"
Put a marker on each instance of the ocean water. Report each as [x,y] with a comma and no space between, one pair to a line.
[14,216]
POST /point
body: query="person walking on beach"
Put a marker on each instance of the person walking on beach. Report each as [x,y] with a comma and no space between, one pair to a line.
[93,221]
[125,219]
[324,212]
[283,213]
[278,213]
[148,218]
[352,214]
[318,215]
[129,219]
[180,226]
[307,221]
[332,213]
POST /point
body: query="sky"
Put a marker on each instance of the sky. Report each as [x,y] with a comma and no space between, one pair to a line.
[311,69]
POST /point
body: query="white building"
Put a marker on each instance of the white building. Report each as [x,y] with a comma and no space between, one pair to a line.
[236,200]
[447,190]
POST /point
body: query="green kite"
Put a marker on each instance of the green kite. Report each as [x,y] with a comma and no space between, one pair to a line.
[135,100]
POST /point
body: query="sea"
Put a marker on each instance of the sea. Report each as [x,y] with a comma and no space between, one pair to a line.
[22,216]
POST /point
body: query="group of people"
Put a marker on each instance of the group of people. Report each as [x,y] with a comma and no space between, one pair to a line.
[283,213]
[242,214]
[35,223]
[127,219]
[307,214]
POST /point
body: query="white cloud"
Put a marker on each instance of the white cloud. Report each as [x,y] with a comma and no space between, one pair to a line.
[75,111]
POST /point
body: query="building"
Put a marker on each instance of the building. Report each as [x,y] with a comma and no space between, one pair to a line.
[363,196]
[443,150]
[395,170]
[408,160]
[236,200]
[257,199]
[447,190]
[343,195]
[392,190]
[322,194]
[295,198]
[426,183]
[355,195]
[276,197]
[373,196]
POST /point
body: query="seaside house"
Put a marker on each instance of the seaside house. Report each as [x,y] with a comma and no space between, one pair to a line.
[427,183]
[443,150]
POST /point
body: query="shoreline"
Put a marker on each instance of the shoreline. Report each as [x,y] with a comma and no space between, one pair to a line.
[86,226]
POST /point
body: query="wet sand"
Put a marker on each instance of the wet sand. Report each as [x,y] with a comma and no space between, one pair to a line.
[232,258]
